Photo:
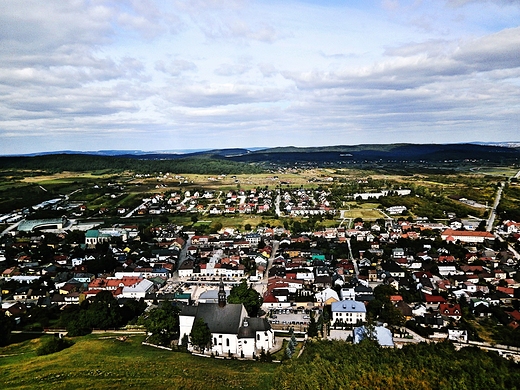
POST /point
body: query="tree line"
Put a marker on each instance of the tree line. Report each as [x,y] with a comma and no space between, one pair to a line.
[341,365]
[87,163]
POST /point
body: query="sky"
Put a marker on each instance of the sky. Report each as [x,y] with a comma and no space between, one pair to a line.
[158,75]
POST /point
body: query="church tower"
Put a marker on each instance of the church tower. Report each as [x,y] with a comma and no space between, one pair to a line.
[221,294]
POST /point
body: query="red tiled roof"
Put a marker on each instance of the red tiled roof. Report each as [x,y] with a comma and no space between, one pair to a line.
[465,233]
[434,299]
[450,310]
[506,290]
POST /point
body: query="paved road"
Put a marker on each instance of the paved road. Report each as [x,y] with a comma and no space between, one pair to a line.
[183,254]
[261,286]
[277,204]
[137,208]
[493,213]
[11,227]
[343,218]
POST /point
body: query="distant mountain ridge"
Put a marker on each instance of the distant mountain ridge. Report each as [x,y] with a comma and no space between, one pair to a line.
[502,152]
[136,153]
[385,153]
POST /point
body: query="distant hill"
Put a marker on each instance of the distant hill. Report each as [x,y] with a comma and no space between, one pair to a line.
[385,153]
[180,153]
[149,163]
[238,160]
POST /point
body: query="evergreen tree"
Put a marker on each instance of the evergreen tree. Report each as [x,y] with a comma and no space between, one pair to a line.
[288,352]
[248,296]
[6,325]
[201,335]
[312,331]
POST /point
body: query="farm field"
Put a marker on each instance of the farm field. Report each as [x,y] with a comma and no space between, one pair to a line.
[435,194]
[100,361]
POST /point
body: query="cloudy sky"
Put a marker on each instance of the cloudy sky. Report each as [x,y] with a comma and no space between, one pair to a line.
[203,74]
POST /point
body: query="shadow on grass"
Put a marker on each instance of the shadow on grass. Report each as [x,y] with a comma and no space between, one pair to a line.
[21,337]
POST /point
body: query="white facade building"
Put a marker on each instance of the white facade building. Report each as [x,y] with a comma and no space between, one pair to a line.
[348,312]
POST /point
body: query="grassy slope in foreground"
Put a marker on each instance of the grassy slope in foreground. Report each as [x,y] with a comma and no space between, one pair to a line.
[102,362]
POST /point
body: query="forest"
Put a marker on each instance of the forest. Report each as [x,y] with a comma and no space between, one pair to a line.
[341,365]
[92,163]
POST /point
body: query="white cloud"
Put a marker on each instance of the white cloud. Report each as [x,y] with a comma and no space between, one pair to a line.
[495,51]
[232,69]
[213,73]
[176,67]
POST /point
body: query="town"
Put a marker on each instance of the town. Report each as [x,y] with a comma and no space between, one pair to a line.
[318,269]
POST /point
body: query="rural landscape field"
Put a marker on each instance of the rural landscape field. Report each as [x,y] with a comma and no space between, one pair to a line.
[100,361]
[321,225]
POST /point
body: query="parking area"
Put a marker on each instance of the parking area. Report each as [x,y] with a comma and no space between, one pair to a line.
[284,318]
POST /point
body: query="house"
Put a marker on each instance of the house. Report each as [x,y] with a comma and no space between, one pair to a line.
[405,310]
[323,282]
[432,301]
[398,253]
[458,335]
[232,332]
[326,297]
[272,302]
[450,311]
[348,312]
[450,235]
[347,294]
[138,290]
[16,311]
[363,293]
[186,269]
[253,238]
[447,270]
[393,269]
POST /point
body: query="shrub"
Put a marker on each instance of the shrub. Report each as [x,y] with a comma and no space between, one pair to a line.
[53,345]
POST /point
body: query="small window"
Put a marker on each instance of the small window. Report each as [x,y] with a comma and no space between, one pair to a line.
[227,342]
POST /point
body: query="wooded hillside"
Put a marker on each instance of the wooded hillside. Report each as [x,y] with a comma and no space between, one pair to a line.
[340,365]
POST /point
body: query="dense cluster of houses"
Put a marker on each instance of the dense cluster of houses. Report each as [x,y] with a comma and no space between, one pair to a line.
[433,280]
[430,280]
[296,202]
[64,278]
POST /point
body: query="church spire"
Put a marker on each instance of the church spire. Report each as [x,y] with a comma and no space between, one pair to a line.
[221,294]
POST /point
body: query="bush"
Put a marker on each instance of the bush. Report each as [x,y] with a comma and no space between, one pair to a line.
[53,345]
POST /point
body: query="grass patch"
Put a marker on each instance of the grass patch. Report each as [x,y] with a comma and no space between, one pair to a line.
[280,355]
[102,362]
[366,215]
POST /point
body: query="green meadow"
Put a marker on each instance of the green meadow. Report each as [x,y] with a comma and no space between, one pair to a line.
[101,361]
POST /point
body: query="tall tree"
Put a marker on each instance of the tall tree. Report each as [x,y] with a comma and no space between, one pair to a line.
[6,325]
[200,335]
[104,312]
[312,331]
[248,296]
[163,323]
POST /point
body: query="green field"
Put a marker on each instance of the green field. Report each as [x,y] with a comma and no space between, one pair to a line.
[102,362]
[366,211]
[433,194]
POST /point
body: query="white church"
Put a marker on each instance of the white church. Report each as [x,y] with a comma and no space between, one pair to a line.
[232,331]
